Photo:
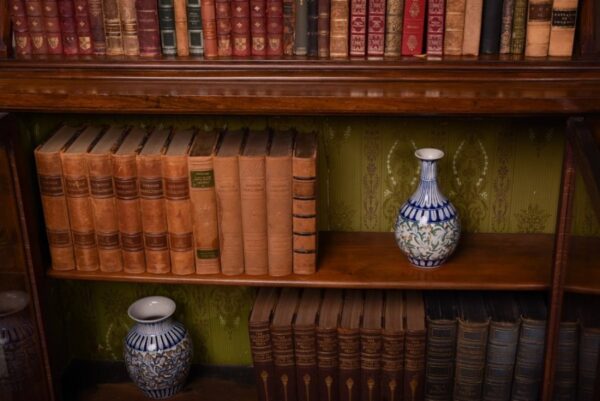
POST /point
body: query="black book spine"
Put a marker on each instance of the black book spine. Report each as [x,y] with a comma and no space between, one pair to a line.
[530,361]
[565,383]
[194,24]
[501,352]
[313,27]
[588,363]
[471,347]
[301,34]
[439,368]
[166,17]
[491,27]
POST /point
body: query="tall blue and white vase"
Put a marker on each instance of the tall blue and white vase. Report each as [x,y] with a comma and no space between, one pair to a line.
[158,349]
[427,228]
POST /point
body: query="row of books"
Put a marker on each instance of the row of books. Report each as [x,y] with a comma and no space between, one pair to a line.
[391,345]
[323,28]
[179,201]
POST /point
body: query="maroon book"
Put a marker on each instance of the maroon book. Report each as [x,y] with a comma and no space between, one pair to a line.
[148,30]
[223,19]
[67,27]
[274,28]
[97,27]
[52,27]
[240,28]
[413,26]
[84,33]
[376,28]
[209,27]
[358,27]
[435,27]
[324,7]
[258,27]
[35,24]
[20,30]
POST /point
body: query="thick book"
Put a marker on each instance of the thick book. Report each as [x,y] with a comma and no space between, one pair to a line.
[129,29]
[82,23]
[589,350]
[565,376]
[102,196]
[394,17]
[223,19]
[471,37]
[229,210]
[177,202]
[18,18]
[508,9]
[519,23]
[282,340]
[392,346]
[209,28]
[181,27]
[371,345]
[301,27]
[274,42]
[413,27]
[327,345]
[491,27]
[128,201]
[54,203]
[258,27]
[435,27]
[148,27]
[204,202]
[240,28]
[112,28]
[358,28]
[414,347]
[289,26]
[278,166]
[305,344]
[52,27]
[562,29]
[339,27]
[166,16]
[261,347]
[35,25]
[376,28]
[304,203]
[68,30]
[194,27]
[96,15]
[323,9]
[312,30]
[349,346]
[539,16]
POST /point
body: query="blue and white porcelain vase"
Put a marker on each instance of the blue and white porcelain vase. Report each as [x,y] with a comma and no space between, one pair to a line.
[158,349]
[427,228]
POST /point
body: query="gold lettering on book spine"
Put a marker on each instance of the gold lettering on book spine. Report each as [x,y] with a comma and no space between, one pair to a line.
[264,376]
[328,382]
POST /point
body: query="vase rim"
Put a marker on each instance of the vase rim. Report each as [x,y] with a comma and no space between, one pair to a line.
[12,302]
[151,309]
[429,154]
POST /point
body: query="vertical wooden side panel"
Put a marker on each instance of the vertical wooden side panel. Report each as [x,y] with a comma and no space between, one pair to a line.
[5,37]
[587,41]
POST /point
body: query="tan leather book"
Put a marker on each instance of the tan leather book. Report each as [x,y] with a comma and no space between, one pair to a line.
[279,204]
[127,197]
[77,192]
[229,210]
[338,42]
[455,26]
[539,15]
[129,29]
[54,203]
[472,27]
[102,196]
[204,202]
[562,30]
[304,203]
[178,205]
[152,202]
[181,27]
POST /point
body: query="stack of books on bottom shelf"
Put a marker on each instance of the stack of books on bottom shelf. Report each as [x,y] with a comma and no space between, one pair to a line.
[406,345]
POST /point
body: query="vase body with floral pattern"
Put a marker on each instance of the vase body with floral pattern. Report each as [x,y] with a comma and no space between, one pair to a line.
[427,227]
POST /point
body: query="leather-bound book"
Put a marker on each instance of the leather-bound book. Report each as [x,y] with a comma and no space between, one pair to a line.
[181,27]
[223,18]
[502,346]
[539,16]
[312,32]
[178,205]
[18,17]
[392,346]
[152,202]
[436,12]
[394,17]
[517,38]
[305,345]
[68,30]
[112,28]
[441,310]
[35,24]
[77,192]
[491,26]
[128,201]
[209,28]
[102,196]
[338,41]
[304,203]
[52,27]
[289,26]
[54,203]
[413,27]
[530,352]
[274,42]
[349,346]
[96,16]
[472,27]
[327,345]
[229,210]
[370,346]
[282,340]
[194,26]
[260,341]
[471,344]
[258,27]
[562,30]
[204,202]
[240,28]
[358,27]
[508,9]
[148,28]
[166,18]
[253,193]
[279,204]
[376,28]
[301,28]
[414,347]
[589,350]
[82,23]
[565,377]
[131,44]
[455,27]
[323,8]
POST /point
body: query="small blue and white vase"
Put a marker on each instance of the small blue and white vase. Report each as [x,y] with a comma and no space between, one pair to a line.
[427,228]
[158,349]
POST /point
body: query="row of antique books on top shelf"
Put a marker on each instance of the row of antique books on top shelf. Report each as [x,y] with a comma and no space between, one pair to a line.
[323,28]
[393,345]
[179,201]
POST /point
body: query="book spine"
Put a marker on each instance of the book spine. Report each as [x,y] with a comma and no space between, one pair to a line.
[392,365]
[240,28]
[562,31]
[472,24]
[82,23]
[414,365]
[327,364]
[376,28]
[112,28]
[304,215]
[258,30]
[104,210]
[148,29]
[223,17]
[128,210]
[181,27]
[435,27]
[589,347]
[209,28]
[565,384]
[194,25]
[283,361]
[35,24]
[21,32]
[358,27]
[289,23]
[301,28]
[338,42]
[349,360]
[52,27]
[323,27]
[517,39]
[204,215]
[279,215]
[179,210]
[166,16]
[500,360]
[262,359]
[491,27]
[56,215]
[413,26]
[80,211]
[67,27]
[441,350]
[274,28]
[370,364]
[394,17]
[471,347]
[530,361]
[455,26]
[96,16]
[131,45]
[508,9]
[539,16]
[312,33]
[305,343]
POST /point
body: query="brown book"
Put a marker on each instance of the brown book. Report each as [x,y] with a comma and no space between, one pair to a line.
[392,346]
[414,347]
[229,210]
[305,345]
[128,201]
[370,346]
[539,17]
[178,205]
[562,30]
[282,340]
[102,196]
[279,204]
[209,27]
[349,346]
[204,202]
[181,28]
[304,203]
[473,17]
[253,196]
[112,28]
[131,45]
[77,192]
[54,203]
[152,202]
[455,26]
[327,345]
[97,27]
[260,341]
[394,18]
[338,42]
[508,9]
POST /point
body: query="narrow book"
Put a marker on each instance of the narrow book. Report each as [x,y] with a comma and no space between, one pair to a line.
[229,210]
[455,27]
[324,7]
[392,346]
[589,350]
[194,27]
[301,27]
[312,31]
[414,346]
[565,377]
[289,26]
[413,27]
[102,196]
[96,15]
[349,346]
[148,28]
[223,19]
[204,202]
[67,27]
[327,345]
[209,28]
[112,28]
[562,30]
[305,344]
[18,17]
[258,27]
[435,27]
[358,27]
[539,17]
[517,37]
[394,17]
[52,26]
[35,25]
[54,203]
[82,23]
[370,346]
[166,15]
[181,27]
[508,9]
[177,200]
[376,28]
[274,43]
[240,28]
[338,42]
[472,25]
[129,29]
[491,27]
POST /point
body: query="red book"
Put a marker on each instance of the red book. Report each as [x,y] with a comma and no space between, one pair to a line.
[358,27]
[19,23]
[84,33]
[258,27]
[52,27]
[35,24]
[67,27]
[148,31]
[223,19]
[274,28]
[376,28]
[209,27]
[414,24]
[435,27]
[240,28]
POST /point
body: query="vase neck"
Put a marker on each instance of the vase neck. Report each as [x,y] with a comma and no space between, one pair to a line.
[428,170]
[155,328]
[428,194]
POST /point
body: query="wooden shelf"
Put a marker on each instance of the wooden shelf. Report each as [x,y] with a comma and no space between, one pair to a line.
[373,260]
[583,268]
